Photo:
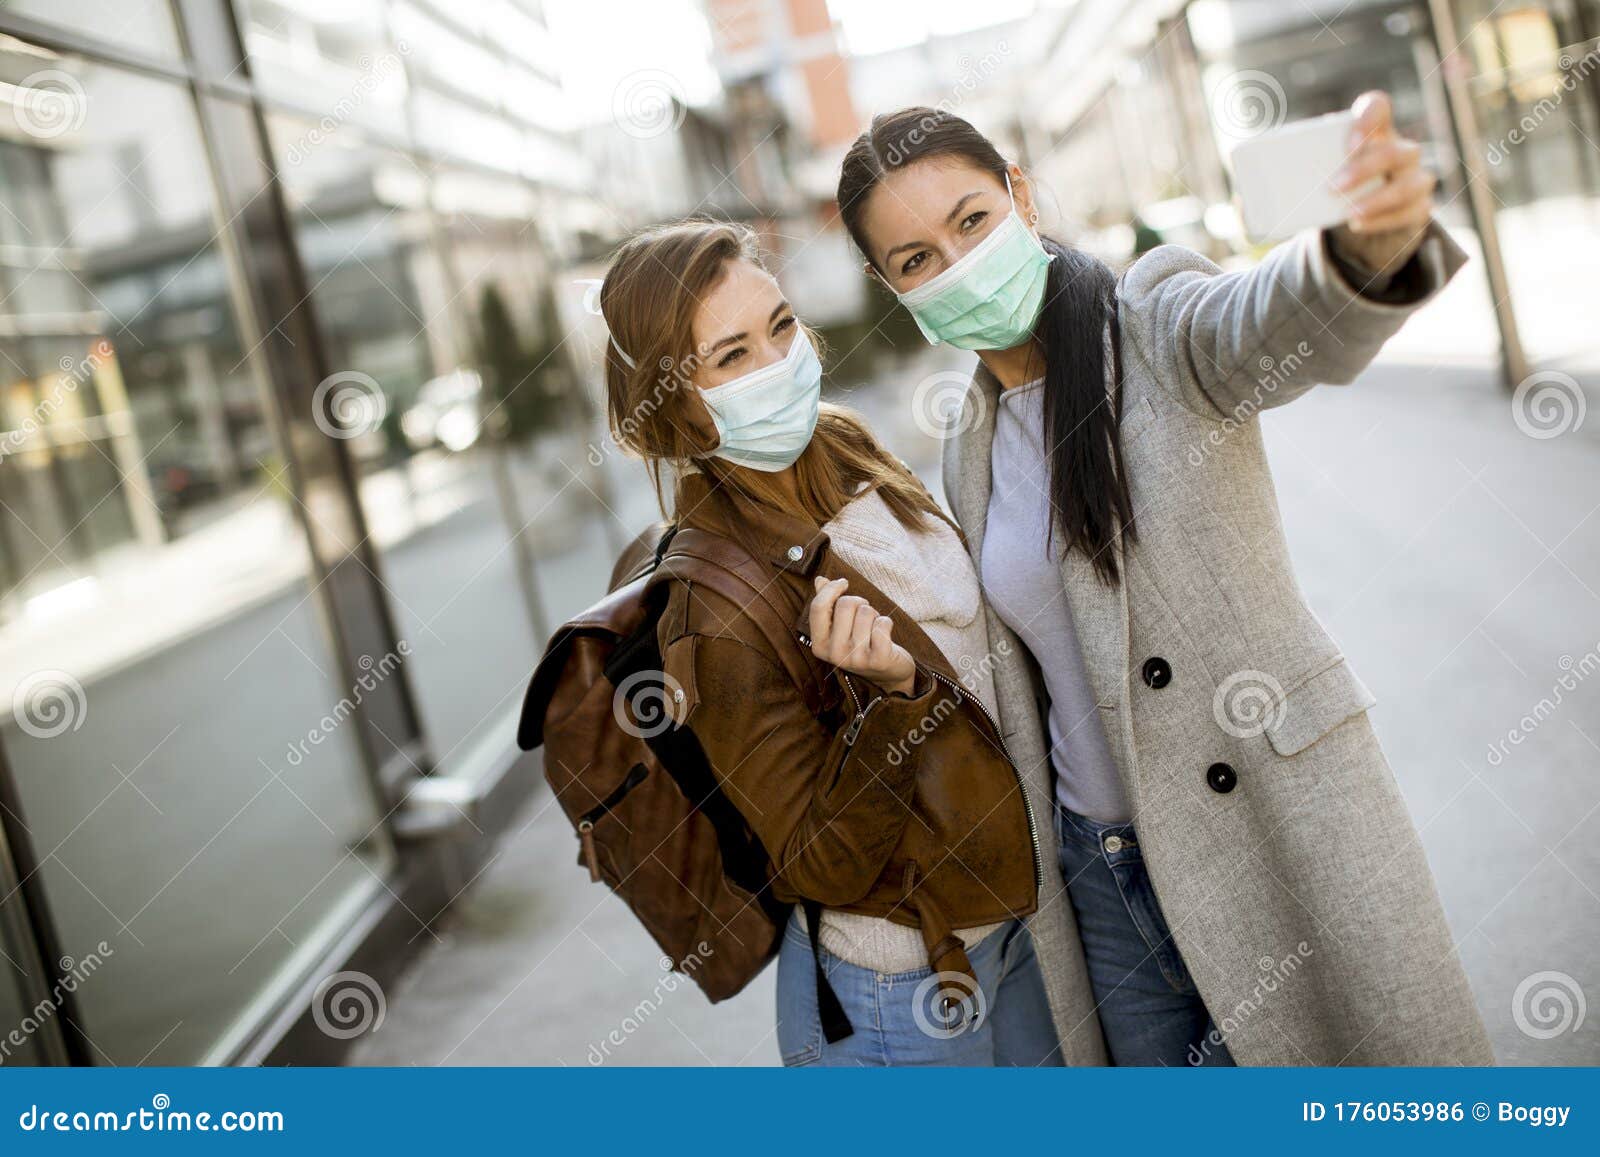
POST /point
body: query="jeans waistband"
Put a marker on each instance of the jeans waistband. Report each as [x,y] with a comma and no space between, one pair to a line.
[1117,841]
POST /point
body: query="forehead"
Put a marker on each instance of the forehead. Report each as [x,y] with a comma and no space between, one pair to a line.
[918,197]
[738,301]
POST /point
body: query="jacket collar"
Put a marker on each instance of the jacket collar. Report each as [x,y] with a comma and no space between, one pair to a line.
[799,547]
[789,543]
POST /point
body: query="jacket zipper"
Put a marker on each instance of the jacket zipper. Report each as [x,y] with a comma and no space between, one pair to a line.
[854,729]
[588,819]
[1027,804]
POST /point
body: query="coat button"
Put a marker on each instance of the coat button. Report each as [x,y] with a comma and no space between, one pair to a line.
[795,553]
[1221,778]
[1157,672]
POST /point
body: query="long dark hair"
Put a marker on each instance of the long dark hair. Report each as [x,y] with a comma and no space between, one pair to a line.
[1088,486]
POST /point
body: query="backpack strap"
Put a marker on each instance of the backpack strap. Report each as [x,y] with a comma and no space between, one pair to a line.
[695,556]
[835,1022]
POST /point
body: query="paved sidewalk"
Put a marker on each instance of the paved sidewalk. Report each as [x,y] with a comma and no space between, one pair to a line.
[1456,559]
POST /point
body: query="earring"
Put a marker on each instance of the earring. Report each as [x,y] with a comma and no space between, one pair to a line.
[1033,217]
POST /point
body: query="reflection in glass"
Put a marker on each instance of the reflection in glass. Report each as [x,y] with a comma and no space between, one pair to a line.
[396,306]
[335,57]
[140,24]
[180,744]
[1535,89]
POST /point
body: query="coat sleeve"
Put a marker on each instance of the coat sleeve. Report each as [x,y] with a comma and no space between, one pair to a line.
[829,808]
[1229,344]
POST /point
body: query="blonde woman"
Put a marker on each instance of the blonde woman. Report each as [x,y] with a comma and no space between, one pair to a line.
[893,817]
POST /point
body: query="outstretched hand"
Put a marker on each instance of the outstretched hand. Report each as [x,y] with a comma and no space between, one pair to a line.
[1386,225]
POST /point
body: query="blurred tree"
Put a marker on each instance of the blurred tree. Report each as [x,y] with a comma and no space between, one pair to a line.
[528,387]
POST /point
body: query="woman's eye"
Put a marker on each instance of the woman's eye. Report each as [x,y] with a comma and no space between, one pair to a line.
[730,357]
[913,263]
[972,220]
[783,325]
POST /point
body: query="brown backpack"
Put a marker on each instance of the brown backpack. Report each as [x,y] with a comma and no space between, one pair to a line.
[651,821]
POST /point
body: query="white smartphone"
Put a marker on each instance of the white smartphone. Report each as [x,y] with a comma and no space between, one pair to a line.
[1283,177]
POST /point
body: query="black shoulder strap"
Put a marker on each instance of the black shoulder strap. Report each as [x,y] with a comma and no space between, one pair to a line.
[835,1023]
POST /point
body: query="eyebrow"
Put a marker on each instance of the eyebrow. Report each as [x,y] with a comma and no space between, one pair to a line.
[733,338]
[954,213]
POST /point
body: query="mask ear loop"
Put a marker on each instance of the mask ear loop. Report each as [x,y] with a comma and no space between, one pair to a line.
[591,306]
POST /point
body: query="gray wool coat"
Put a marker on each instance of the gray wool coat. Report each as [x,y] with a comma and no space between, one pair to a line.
[1300,899]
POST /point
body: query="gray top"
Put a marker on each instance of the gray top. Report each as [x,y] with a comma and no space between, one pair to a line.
[1022,580]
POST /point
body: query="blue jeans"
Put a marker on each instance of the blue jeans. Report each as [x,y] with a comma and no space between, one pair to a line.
[899,1018]
[1149,1007]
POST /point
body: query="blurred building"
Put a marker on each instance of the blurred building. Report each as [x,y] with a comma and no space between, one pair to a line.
[295,473]
[787,85]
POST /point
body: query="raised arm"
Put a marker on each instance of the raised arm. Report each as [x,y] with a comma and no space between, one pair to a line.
[1316,309]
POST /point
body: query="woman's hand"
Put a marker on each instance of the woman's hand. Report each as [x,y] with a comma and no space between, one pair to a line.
[1386,225]
[847,632]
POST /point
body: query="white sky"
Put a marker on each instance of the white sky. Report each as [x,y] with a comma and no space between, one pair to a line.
[606,42]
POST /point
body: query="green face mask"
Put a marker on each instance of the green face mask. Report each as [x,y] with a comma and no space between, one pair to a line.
[990,298]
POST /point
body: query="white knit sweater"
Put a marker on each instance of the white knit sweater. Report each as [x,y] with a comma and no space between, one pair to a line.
[931,577]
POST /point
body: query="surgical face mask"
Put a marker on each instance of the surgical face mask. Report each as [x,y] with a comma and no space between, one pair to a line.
[989,299]
[766,417]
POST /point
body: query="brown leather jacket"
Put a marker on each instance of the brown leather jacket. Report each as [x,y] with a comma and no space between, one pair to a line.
[892,805]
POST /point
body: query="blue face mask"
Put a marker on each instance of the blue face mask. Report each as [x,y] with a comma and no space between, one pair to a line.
[989,299]
[766,417]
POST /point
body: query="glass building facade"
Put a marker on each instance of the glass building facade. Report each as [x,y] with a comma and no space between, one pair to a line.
[294,474]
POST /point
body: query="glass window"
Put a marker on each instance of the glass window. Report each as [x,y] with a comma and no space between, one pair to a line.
[141,24]
[335,58]
[1536,99]
[22,1018]
[178,733]
[397,313]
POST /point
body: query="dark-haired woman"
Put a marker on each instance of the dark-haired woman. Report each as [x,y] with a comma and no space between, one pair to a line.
[1241,881]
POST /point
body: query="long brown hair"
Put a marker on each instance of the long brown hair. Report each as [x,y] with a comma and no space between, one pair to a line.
[649,298]
[1089,495]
